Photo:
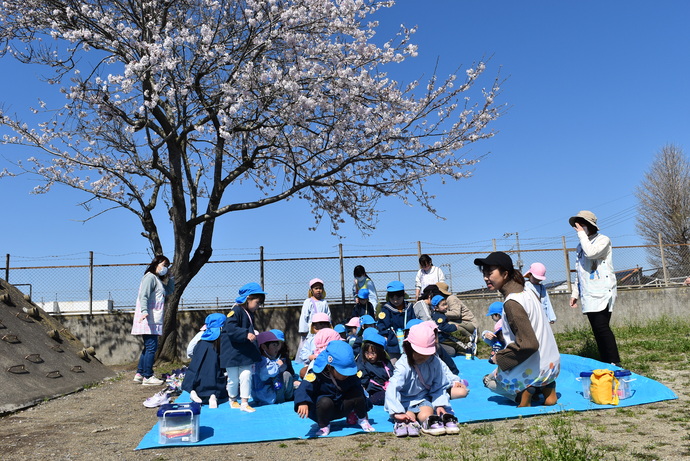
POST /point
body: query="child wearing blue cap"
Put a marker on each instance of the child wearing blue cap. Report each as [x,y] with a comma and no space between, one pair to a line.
[445,328]
[238,349]
[204,378]
[362,305]
[332,390]
[285,356]
[394,315]
[375,369]
[365,322]
[495,338]
[272,381]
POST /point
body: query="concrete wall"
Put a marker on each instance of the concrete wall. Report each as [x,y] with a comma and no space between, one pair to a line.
[110,334]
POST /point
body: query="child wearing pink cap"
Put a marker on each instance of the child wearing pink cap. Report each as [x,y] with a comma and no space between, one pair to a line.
[306,354]
[533,278]
[272,381]
[416,396]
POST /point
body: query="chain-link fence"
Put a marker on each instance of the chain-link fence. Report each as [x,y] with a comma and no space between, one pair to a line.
[80,287]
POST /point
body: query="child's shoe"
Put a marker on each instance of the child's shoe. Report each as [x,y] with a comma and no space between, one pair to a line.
[323,431]
[247,408]
[365,425]
[433,426]
[213,401]
[413,429]
[400,429]
[450,423]
[158,399]
[195,397]
[234,404]
[351,418]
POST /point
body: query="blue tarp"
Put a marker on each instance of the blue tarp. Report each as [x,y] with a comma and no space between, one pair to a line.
[224,425]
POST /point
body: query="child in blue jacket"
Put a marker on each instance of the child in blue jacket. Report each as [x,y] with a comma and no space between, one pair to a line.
[332,390]
[238,349]
[272,382]
[375,369]
[394,315]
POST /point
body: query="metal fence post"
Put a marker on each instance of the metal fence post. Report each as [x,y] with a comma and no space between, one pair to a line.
[342,275]
[261,267]
[663,261]
[7,268]
[90,282]
[419,248]
[566,258]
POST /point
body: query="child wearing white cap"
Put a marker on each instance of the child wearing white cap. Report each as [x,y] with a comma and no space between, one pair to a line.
[314,304]
[332,390]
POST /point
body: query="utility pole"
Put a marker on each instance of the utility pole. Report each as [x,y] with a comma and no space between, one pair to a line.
[517,241]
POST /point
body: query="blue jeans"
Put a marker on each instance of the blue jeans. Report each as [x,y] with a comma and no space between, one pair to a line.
[148,354]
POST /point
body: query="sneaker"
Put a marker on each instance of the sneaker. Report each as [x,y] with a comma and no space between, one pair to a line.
[413,429]
[450,423]
[152,381]
[365,425]
[323,431]
[195,397]
[138,378]
[213,401]
[158,399]
[352,418]
[400,429]
[433,426]
[247,408]
[234,404]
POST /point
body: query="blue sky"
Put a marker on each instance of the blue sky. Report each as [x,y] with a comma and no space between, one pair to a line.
[594,90]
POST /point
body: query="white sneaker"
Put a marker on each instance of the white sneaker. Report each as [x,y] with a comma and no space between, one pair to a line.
[213,401]
[158,399]
[195,397]
[138,378]
[152,381]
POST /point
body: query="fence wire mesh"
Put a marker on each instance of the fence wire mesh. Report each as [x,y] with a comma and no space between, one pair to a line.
[73,286]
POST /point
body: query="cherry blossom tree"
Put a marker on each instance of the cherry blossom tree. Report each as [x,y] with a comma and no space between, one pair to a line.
[178,105]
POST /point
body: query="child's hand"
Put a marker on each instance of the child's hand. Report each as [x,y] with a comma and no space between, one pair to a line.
[279,363]
[458,384]
[402,417]
[303,410]
[312,357]
[440,411]
[490,336]
[251,336]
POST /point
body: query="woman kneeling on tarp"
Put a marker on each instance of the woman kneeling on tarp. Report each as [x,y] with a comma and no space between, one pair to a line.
[530,361]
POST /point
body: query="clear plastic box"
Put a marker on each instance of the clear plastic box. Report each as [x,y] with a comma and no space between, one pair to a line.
[178,423]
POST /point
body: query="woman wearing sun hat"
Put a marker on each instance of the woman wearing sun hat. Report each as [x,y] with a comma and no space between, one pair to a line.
[596,283]
[530,361]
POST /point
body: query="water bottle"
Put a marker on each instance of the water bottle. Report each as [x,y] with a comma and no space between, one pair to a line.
[468,351]
[401,336]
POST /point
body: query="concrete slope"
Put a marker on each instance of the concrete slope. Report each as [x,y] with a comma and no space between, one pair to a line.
[39,358]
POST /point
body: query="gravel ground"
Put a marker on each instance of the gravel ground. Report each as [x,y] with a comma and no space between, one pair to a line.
[108,421]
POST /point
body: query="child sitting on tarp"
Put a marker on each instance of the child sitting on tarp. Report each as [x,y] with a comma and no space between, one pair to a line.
[352,329]
[362,305]
[375,368]
[306,354]
[272,381]
[445,328]
[366,321]
[204,379]
[332,390]
[495,339]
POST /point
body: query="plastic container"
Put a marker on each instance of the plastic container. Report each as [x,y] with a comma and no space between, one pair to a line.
[586,379]
[178,423]
[624,378]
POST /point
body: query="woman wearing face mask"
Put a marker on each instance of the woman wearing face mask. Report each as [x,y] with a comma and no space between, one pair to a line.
[596,283]
[362,280]
[148,316]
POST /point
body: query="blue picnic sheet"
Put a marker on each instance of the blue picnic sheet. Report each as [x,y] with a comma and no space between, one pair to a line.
[224,425]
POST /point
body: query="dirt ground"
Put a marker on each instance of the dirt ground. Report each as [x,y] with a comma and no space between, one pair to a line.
[108,421]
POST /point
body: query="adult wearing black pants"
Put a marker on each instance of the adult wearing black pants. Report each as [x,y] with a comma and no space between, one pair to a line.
[596,283]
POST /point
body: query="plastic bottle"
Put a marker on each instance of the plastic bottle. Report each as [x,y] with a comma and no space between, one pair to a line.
[401,336]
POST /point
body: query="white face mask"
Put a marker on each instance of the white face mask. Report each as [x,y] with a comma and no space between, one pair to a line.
[359,279]
[162,271]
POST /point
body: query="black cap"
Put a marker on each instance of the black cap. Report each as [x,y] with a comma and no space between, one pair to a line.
[497,258]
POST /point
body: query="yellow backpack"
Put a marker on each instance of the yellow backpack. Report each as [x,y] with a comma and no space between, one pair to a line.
[603,388]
